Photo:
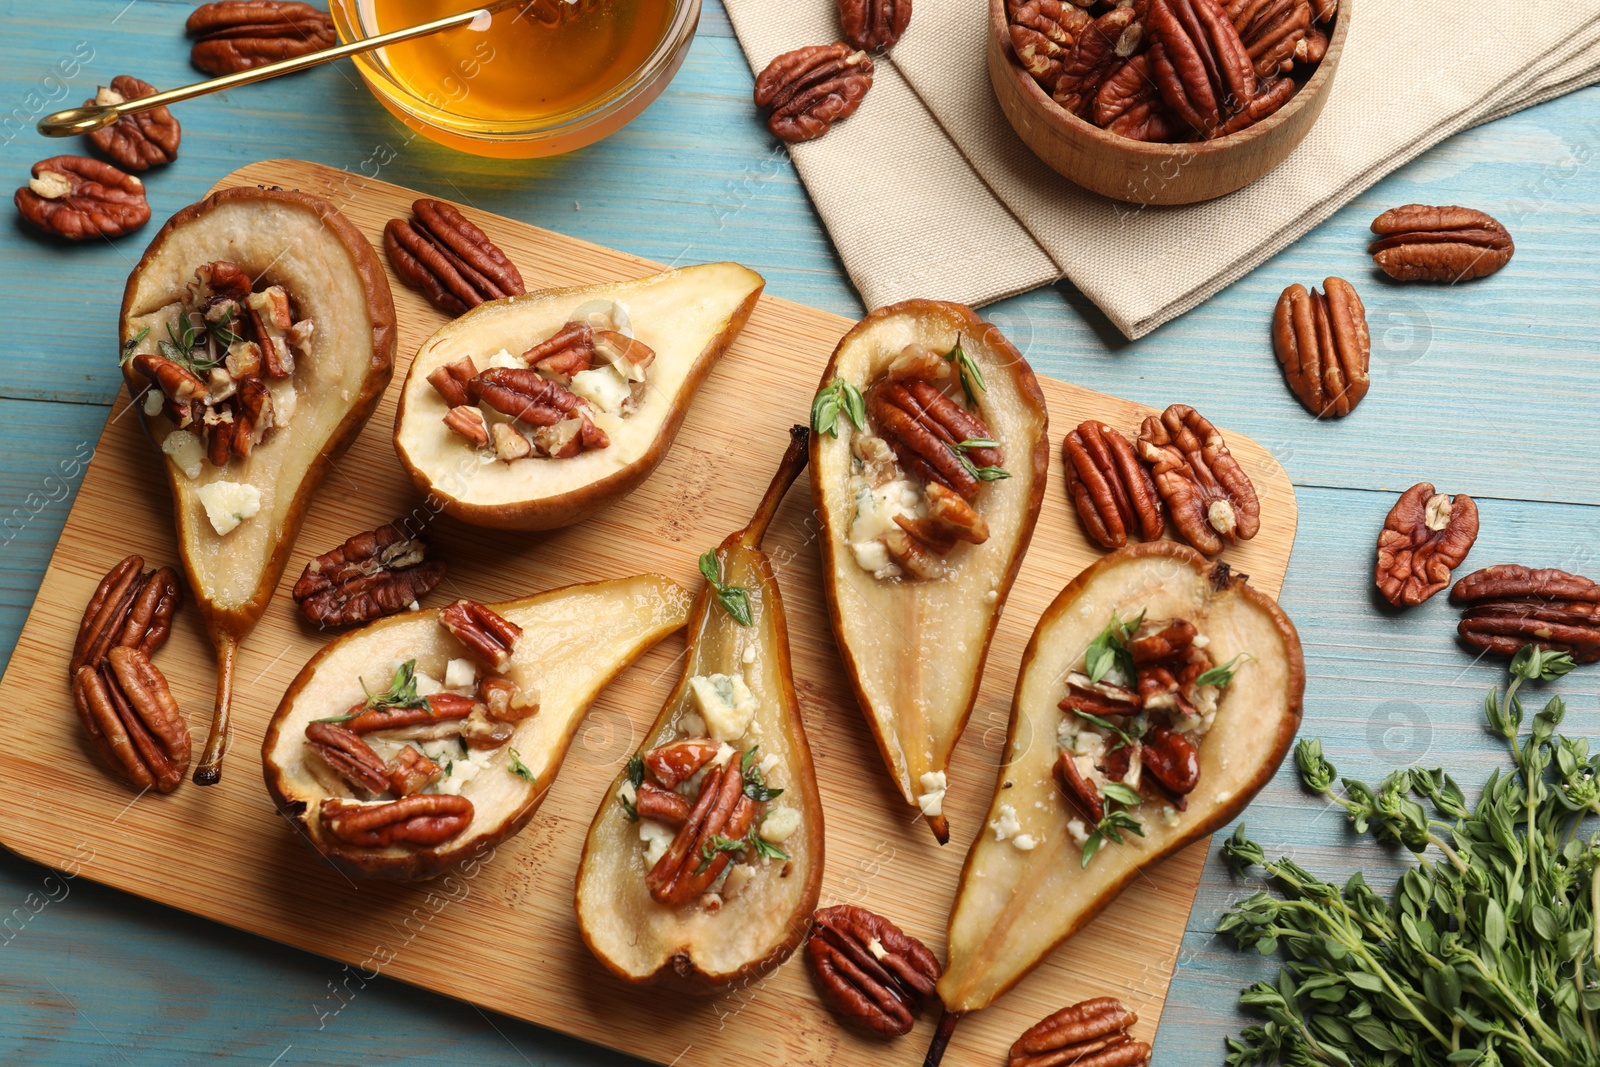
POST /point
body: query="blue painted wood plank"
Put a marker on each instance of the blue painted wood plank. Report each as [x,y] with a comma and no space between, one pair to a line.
[1486,388]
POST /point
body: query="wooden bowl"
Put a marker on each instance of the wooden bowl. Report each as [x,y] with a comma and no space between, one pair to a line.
[1144,173]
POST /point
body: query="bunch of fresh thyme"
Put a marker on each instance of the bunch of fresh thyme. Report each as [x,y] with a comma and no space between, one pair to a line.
[1488,952]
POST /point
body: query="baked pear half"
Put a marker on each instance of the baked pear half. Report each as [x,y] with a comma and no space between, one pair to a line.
[704,862]
[928,459]
[424,739]
[1158,694]
[531,412]
[257,334]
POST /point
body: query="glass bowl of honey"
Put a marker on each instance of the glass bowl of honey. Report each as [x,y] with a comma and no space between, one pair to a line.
[536,79]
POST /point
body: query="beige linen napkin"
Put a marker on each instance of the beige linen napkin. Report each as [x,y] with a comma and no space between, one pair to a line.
[927,191]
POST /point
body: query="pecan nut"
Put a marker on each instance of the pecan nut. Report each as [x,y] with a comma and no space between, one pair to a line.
[1271,31]
[868,971]
[1322,343]
[1111,489]
[1425,537]
[442,710]
[130,608]
[132,719]
[77,198]
[809,89]
[1043,33]
[1130,104]
[1271,94]
[1080,792]
[1201,66]
[490,638]
[923,427]
[448,259]
[1439,244]
[1171,759]
[411,772]
[1209,496]
[354,760]
[141,140]
[375,573]
[676,761]
[1093,1033]
[692,862]
[660,805]
[423,820]
[1100,48]
[1508,606]
[235,35]
[873,25]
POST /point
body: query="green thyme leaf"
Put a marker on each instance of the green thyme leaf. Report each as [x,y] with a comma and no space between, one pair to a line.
[717,844]
[133,343]
[755,783]
[518,768]
[1121,793]
[766,849]
[402,691]
[1222,676]
[735,600]
[838,396]
[972,382]
[1110,649]
[636,770]
[1125,737]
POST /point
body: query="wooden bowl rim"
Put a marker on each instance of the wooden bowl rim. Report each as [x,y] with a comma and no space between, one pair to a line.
[1159,150]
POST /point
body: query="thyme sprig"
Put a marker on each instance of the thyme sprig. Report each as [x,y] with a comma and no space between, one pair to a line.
[735,600]
[1486,953]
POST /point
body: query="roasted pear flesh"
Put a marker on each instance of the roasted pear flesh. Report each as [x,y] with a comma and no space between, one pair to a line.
[533,411]
[487,721]
[704,860]
[257,335]
[928,469]
[1045,864]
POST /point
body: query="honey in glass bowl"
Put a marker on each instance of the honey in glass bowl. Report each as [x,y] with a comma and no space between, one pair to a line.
[545,77]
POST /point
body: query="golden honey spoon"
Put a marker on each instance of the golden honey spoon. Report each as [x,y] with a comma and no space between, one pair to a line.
[92,117]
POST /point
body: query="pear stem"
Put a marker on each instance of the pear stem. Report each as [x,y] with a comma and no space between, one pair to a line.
[794,461]
[941,1038]
[940,827]
[209,772]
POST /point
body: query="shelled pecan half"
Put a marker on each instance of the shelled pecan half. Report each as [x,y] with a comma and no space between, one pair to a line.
[448,259]
[923,427]
[77,198]
[141,140]
[1271,31]
[522,394]
[1508,606]
[1208,495]
[423,820]
[411,772]
[1129,103]
[130,608]
[1093,1033]
[1111,489]
[1171,758]
[344,750]
[873,25]
[1201,66]
[809,89]
[1079,791]
[1271,94]
[438,709]
[506,701]
[660,805]
[676,761]
[489,638]
[1100,48]
[132,719]
[1322,343]
[1425,537]
[235,35]
[374,573]
[1439,244]
[869,972]
[692,862]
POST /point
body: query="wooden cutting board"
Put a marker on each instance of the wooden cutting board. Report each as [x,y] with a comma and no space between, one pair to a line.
[503,934]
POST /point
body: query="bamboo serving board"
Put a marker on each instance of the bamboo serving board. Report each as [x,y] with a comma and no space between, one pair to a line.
[502,934]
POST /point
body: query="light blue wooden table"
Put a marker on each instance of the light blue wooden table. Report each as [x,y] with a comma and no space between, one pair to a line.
[1488,389]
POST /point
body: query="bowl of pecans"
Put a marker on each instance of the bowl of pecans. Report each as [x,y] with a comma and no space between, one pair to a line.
[1164,101]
